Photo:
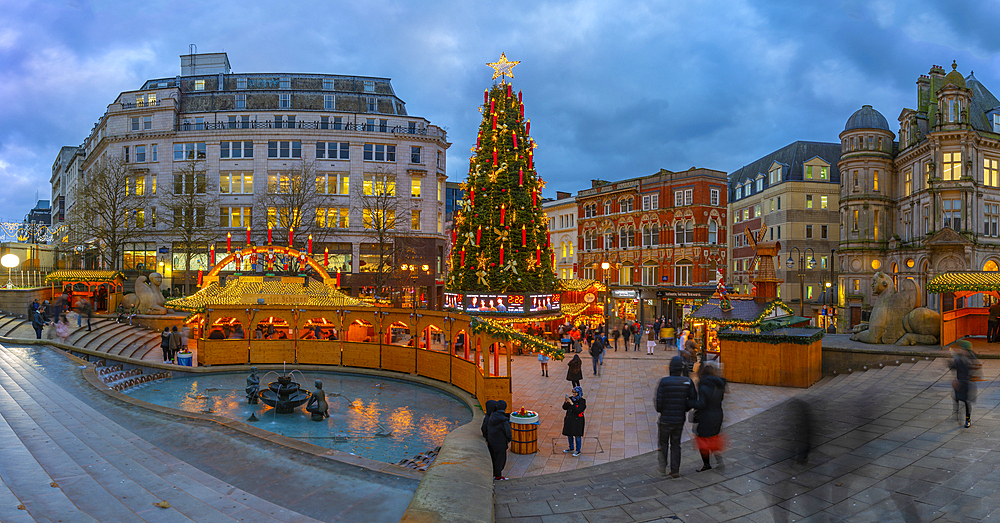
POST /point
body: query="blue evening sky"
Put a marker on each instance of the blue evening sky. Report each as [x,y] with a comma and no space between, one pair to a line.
[614,88]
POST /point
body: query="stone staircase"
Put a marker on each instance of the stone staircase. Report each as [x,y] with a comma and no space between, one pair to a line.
[108,336]
[61,460]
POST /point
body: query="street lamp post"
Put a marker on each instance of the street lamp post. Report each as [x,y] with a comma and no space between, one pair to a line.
[607,291]
[802,262]
[10,260]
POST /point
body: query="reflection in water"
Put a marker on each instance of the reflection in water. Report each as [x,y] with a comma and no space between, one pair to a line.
[380,419]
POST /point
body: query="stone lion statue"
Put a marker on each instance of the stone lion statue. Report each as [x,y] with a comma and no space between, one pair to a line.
[896,317]
[147,298]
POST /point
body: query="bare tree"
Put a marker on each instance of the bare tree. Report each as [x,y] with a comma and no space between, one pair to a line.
[291,200]
[194,213]
[105,210]
[386,222]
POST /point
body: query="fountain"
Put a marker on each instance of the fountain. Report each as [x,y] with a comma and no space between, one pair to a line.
[284,395]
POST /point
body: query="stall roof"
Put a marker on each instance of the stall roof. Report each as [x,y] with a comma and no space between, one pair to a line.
[83,275]
[247,290]
[796,335]
[977,281]
[744,312]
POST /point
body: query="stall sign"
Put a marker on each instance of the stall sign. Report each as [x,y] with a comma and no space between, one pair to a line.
[502,303]
[624,293]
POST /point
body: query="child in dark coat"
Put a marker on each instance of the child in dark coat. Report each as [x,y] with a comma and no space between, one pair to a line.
[498,435]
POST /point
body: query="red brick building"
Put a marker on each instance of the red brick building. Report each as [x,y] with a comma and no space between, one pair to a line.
[664,235]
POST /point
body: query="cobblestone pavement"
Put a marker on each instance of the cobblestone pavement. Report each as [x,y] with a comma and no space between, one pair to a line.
[887,447]
[621,421]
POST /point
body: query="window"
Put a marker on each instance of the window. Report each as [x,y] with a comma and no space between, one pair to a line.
[607,208]
[414,154]
[688,196]
[689,232]
[236,182]
[991,219]
[875,180]
[650,235]
[823,231]
[856,185]
[588,211]
[199,85]
[952,166]
[713,233]
[774,176]
[809,288]
[140,185]
[371,104]
[907,182]
[854,224]
[140,219]
[760,184]
[189,151]
[679,197]
[809,232]
[369,86]
[283,149]
[241,83]
[682,273]
[379,220]
[824,173]
[440,191]
[281,182]
[927,219]
[152,153]
[857,285]
[952,213]
[333,183]
[284,101]
[746,214]
[327,84]
[809,201]
[241,100]
[715,196]
[380,153]
[283,217]
[241,217]
[189,217]
[415,220]
[650,202]
[440,226]
[285,83]
[626,238]
[989,172]
[328,102]
[379,185]
[625,204]
[140,153]
[152,213]
[415,182]
[236,150]
[649,274]
[189,183]
[779,203]
[739,192]
[332,217]
[625,274]
[333,150]
[809,172]
[135,123]
[756,210]
[746,188]
[823,260]
[779,232]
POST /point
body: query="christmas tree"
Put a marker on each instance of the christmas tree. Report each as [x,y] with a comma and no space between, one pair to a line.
[500,240]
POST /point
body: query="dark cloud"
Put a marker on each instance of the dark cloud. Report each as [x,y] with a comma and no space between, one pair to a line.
[614,88]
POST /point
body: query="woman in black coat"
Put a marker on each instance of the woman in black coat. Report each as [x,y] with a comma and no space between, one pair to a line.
[575,371]
[573,423]
[498,435]
[708,415]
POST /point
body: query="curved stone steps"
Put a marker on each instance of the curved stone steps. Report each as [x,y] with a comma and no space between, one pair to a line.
[7,320]
[104,335]
[12,325]
[148,351]
[102,471]
[122,342]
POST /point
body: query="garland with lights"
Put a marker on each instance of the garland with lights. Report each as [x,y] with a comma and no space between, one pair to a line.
[532,343]
[740,322]
[964,281]
[500,242]
[774,337]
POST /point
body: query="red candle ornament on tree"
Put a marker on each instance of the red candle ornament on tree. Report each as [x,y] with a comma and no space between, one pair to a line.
[479,234]
[519,97]
[534,197]
[494,121]
[462,263]
[501,254]
[514,134]
[494,157]
[524,236]
[522,110]
[492,112]
[486,96]
[520,177]
[527,127]
[472,196]
[538,254]
[338,278]
[503,207]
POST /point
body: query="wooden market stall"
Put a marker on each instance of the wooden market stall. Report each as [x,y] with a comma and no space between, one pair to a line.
[104,289]
[960,314]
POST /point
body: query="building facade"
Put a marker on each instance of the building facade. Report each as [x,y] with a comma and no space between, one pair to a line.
[663,235]
[794,193]
[562,216]
[927,204]
[245,139]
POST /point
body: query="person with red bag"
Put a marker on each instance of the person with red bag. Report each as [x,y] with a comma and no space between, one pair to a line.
[708,415]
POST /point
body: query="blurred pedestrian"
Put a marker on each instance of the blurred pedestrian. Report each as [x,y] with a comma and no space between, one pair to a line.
[708,415]
[574,372]
[690,356]
[596,352]
[498,435]
[62,328]
[962,384]
[574,422]
[675,395]
[615,334]
[993,323]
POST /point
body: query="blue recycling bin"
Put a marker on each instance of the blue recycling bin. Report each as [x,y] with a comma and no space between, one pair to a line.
[184,359]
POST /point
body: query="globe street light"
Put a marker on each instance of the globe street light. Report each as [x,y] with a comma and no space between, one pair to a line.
[9,260]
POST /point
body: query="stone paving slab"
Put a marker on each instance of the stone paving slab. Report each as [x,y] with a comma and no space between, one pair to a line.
[886,448]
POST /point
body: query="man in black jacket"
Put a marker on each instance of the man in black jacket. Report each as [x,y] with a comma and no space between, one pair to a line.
[675,395]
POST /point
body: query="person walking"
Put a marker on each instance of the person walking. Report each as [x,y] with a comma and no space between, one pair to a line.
[62,328]
[498,436]
[543,360]
[37,322]
[615,334]
[165,344]
[681,340]
[574,335]
[574,422]
[574,372]
[674,396]
[626,334]
[962,384]
[690,356]
[708,415]
[993,324]
[596,352]
[84,308]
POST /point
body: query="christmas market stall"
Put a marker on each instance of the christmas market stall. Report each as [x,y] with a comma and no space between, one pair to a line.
[961,313]
[103,288]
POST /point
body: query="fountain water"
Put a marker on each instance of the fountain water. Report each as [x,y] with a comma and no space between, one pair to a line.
[284,395]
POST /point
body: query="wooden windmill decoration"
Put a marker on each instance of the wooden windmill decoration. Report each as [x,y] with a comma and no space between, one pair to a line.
[761,269]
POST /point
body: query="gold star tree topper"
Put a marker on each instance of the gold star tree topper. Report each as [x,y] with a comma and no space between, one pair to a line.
[503,67]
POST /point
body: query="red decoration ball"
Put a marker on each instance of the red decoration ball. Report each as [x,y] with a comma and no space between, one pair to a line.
[492,264]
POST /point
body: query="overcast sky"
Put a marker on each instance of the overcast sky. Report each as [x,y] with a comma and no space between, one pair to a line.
[614,89]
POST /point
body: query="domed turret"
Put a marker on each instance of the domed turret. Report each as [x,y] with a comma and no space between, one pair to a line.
[954,77]
[867,118]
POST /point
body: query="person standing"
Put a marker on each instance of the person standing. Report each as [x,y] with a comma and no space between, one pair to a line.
[574,372]
[543,360]
[596,352]
[626,334]
[993,324]
[174,343]
[963,381]
[650,344]
[37,322]
[491,405]
[574,422]
[639,331]
[498,435]
[674,396]
[681,340]
[708,415]
[615,334]
[574,335]
[165,344]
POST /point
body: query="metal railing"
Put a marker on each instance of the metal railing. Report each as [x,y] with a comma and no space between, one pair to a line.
[134,105]
[316,124]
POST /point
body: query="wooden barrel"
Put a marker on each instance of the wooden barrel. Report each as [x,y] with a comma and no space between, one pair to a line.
[524,438]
